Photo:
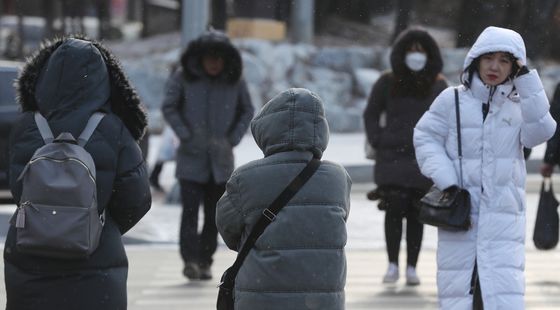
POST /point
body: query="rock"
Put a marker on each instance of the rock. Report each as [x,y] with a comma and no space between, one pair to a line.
[149,83]
[333,87]
[341,76]
[171,57]
[360,104]
[259,48]
[344,59]
[280,59]
[364,78]
[276,88]
[453,59]
[254,69]
[550,76]
[344,119]
[256,96]
[384,60]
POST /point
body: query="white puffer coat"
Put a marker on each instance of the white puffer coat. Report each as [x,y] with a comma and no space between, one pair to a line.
[493,172]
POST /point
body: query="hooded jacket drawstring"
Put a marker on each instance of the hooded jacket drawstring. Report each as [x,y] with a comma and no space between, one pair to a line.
[486,106]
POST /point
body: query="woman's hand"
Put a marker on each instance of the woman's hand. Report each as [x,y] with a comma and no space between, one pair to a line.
[546,170]
[522,69]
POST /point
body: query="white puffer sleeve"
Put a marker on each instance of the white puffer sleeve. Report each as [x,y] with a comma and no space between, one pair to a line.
[430,135]
[538,125]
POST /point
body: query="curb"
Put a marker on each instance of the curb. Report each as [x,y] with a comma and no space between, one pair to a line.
[363,174]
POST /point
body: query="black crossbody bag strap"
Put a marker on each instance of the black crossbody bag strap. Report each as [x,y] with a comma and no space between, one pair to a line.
[459,145]
[267,217]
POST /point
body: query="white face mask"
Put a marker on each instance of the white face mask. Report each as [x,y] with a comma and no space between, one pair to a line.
[415,61]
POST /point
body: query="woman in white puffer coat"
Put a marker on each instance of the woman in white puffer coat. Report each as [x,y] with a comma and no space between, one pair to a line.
[503,107]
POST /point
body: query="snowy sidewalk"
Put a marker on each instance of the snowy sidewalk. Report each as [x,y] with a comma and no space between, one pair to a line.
[346,149]
[365,223]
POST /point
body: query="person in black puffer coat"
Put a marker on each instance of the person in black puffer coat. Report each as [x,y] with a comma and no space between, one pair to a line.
[552,153]
[402,96]
[67,81]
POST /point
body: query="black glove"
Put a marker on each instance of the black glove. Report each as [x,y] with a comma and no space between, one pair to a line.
[451,189]
[523,70]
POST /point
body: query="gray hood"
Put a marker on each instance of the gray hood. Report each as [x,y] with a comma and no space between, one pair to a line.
[294,120]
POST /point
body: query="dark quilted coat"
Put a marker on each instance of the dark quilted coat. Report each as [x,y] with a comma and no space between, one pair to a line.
[209,115]
[67,81]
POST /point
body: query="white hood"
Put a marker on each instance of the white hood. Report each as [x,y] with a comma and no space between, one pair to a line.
[495,39]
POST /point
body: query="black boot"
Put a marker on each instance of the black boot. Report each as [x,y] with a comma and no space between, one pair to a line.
[154,176]
[205,272]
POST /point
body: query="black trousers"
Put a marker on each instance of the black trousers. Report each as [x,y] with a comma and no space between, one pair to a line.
[400,203]
[199,247]
[478,304]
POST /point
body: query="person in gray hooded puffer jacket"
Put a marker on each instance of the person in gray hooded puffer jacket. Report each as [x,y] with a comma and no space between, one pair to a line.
[207,104]
[298,262]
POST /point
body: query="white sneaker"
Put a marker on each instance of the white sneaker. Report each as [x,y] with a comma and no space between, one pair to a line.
[411,276]
[392,274]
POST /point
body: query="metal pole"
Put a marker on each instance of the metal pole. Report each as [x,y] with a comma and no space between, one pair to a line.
[194,19]
[302,21]
[219,14]
[20,29]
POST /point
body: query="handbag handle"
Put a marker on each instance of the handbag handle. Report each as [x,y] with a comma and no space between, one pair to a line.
[547,183]
[459,146]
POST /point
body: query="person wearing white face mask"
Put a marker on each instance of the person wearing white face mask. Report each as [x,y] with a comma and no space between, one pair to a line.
[402,95]
[416,60]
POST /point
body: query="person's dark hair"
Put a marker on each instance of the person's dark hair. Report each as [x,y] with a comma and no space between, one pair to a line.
[408,82]
[468,74]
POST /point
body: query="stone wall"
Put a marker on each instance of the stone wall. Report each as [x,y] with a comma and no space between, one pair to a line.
[342,76]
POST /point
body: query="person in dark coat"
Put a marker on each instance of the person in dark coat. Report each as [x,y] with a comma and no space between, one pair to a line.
[207,105]
[397,101]
[298,262]
[552,153]
[67,81]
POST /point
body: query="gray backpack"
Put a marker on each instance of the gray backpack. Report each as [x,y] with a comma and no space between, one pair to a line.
[57,215]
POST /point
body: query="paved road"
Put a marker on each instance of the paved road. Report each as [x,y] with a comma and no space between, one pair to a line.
[155,280]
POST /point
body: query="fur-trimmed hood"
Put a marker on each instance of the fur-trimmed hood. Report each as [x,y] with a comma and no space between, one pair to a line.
[434,65]
[217,43]
[74,77]
[409,83]
[496,39]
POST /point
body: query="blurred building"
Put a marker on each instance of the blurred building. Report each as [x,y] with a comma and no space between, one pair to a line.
[24,23]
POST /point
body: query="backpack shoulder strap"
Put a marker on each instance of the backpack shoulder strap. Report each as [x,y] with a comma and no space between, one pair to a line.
[44,128]
[92,123]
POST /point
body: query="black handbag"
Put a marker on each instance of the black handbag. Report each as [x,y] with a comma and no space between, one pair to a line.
[545,234]
[227,282]
[449,209]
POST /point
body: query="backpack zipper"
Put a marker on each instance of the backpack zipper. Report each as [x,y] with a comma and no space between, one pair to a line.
[20,219]
[65,160]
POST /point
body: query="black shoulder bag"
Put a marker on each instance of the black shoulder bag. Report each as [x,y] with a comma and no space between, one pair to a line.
[227,283]
[449,209]
[545,234]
